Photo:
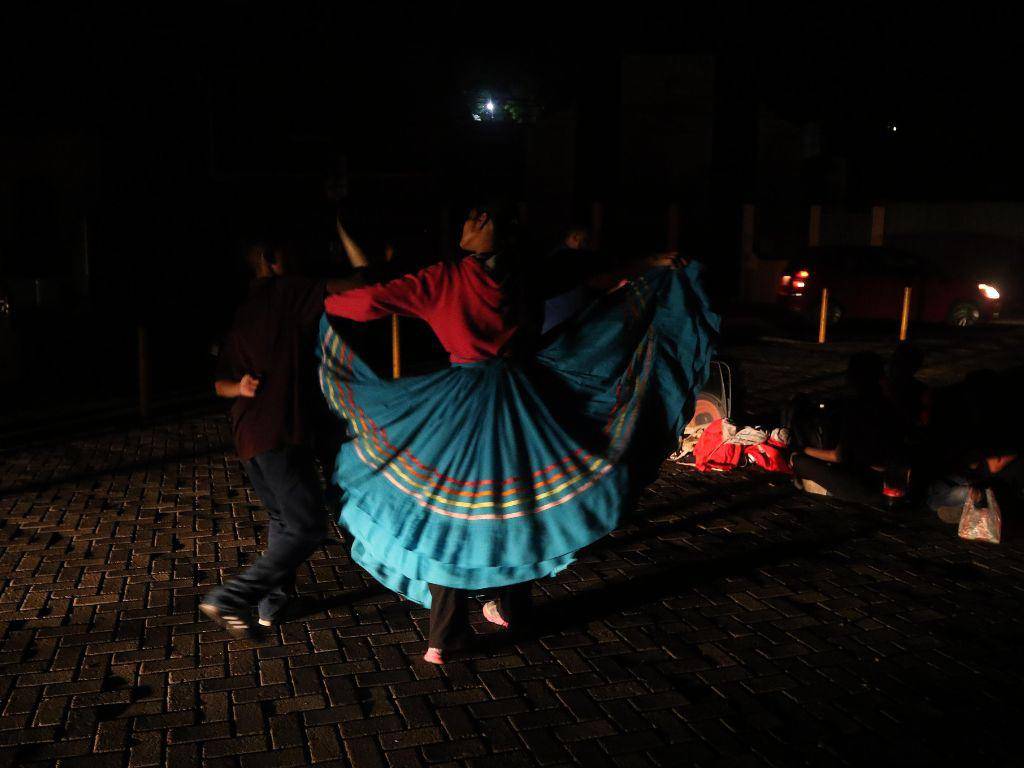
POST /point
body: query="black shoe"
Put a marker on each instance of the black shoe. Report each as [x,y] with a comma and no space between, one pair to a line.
[238,622]
[284,612]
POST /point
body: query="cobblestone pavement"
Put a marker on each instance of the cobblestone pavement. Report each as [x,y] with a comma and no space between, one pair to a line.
[732,622]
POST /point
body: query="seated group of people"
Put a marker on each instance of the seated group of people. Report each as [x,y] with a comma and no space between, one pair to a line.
[890,436]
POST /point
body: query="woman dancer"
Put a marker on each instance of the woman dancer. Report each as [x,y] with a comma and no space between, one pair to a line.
[494,472]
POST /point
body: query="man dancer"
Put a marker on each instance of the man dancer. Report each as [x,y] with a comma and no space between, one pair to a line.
[266,365]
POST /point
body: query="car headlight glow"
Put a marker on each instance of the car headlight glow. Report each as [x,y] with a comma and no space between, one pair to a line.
[989,291]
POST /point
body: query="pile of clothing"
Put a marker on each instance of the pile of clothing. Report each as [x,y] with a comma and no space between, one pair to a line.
[722,446]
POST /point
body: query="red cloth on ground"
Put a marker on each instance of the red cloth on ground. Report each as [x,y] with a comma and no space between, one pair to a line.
[769,455]
[713,454]
[465,307]
[722,447]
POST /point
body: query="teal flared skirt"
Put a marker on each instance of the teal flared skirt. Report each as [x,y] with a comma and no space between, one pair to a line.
[498,472]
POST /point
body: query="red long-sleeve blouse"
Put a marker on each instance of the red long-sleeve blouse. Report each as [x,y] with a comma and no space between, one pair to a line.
[464,306]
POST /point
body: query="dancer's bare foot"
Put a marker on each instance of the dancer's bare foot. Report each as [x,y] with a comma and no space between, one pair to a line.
[492,615]
[433,656]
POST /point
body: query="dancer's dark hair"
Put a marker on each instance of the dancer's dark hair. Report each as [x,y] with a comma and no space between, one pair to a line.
[509,236]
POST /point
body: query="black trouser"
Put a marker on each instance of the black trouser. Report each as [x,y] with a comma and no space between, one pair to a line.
[843,482]
[328,435]
[286,482]
[449,623]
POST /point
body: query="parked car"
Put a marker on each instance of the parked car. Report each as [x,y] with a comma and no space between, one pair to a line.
[1000,259]
[868,282]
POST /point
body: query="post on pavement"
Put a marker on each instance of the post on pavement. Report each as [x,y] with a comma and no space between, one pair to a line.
[396,332]
[905,313]
[823,319]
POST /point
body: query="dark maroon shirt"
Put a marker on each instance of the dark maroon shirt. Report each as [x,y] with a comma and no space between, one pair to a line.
[273,339]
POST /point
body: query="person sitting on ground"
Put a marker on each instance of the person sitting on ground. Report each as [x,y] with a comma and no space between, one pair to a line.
[948,496]
[994,464]
[870,438]
[972,424]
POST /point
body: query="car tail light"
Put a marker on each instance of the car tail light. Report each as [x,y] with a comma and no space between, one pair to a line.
[793,284]
[989,291]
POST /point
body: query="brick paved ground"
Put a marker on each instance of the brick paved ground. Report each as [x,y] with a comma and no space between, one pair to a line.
[733,622]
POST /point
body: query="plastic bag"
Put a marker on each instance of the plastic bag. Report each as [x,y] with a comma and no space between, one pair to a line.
[982,523]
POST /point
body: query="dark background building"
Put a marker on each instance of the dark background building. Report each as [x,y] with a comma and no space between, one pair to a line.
[142,144]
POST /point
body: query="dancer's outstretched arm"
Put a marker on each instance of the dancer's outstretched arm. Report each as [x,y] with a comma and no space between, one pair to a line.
[570,268]
[607,279]
[408,295]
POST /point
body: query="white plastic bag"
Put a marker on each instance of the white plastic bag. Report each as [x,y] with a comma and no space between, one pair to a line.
[982,523]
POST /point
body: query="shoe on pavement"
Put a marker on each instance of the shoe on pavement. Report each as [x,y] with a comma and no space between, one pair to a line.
[237,622]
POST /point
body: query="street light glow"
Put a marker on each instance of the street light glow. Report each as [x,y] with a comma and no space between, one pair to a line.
[490,106]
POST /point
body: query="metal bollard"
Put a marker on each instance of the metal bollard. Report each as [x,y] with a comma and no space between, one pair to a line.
[395,332]
[396,349]
[905,314]
[823,319]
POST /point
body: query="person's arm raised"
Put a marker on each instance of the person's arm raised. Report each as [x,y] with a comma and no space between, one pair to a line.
[356,255]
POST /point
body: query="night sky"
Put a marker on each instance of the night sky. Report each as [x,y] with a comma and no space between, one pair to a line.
[386,80]
[207,118]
